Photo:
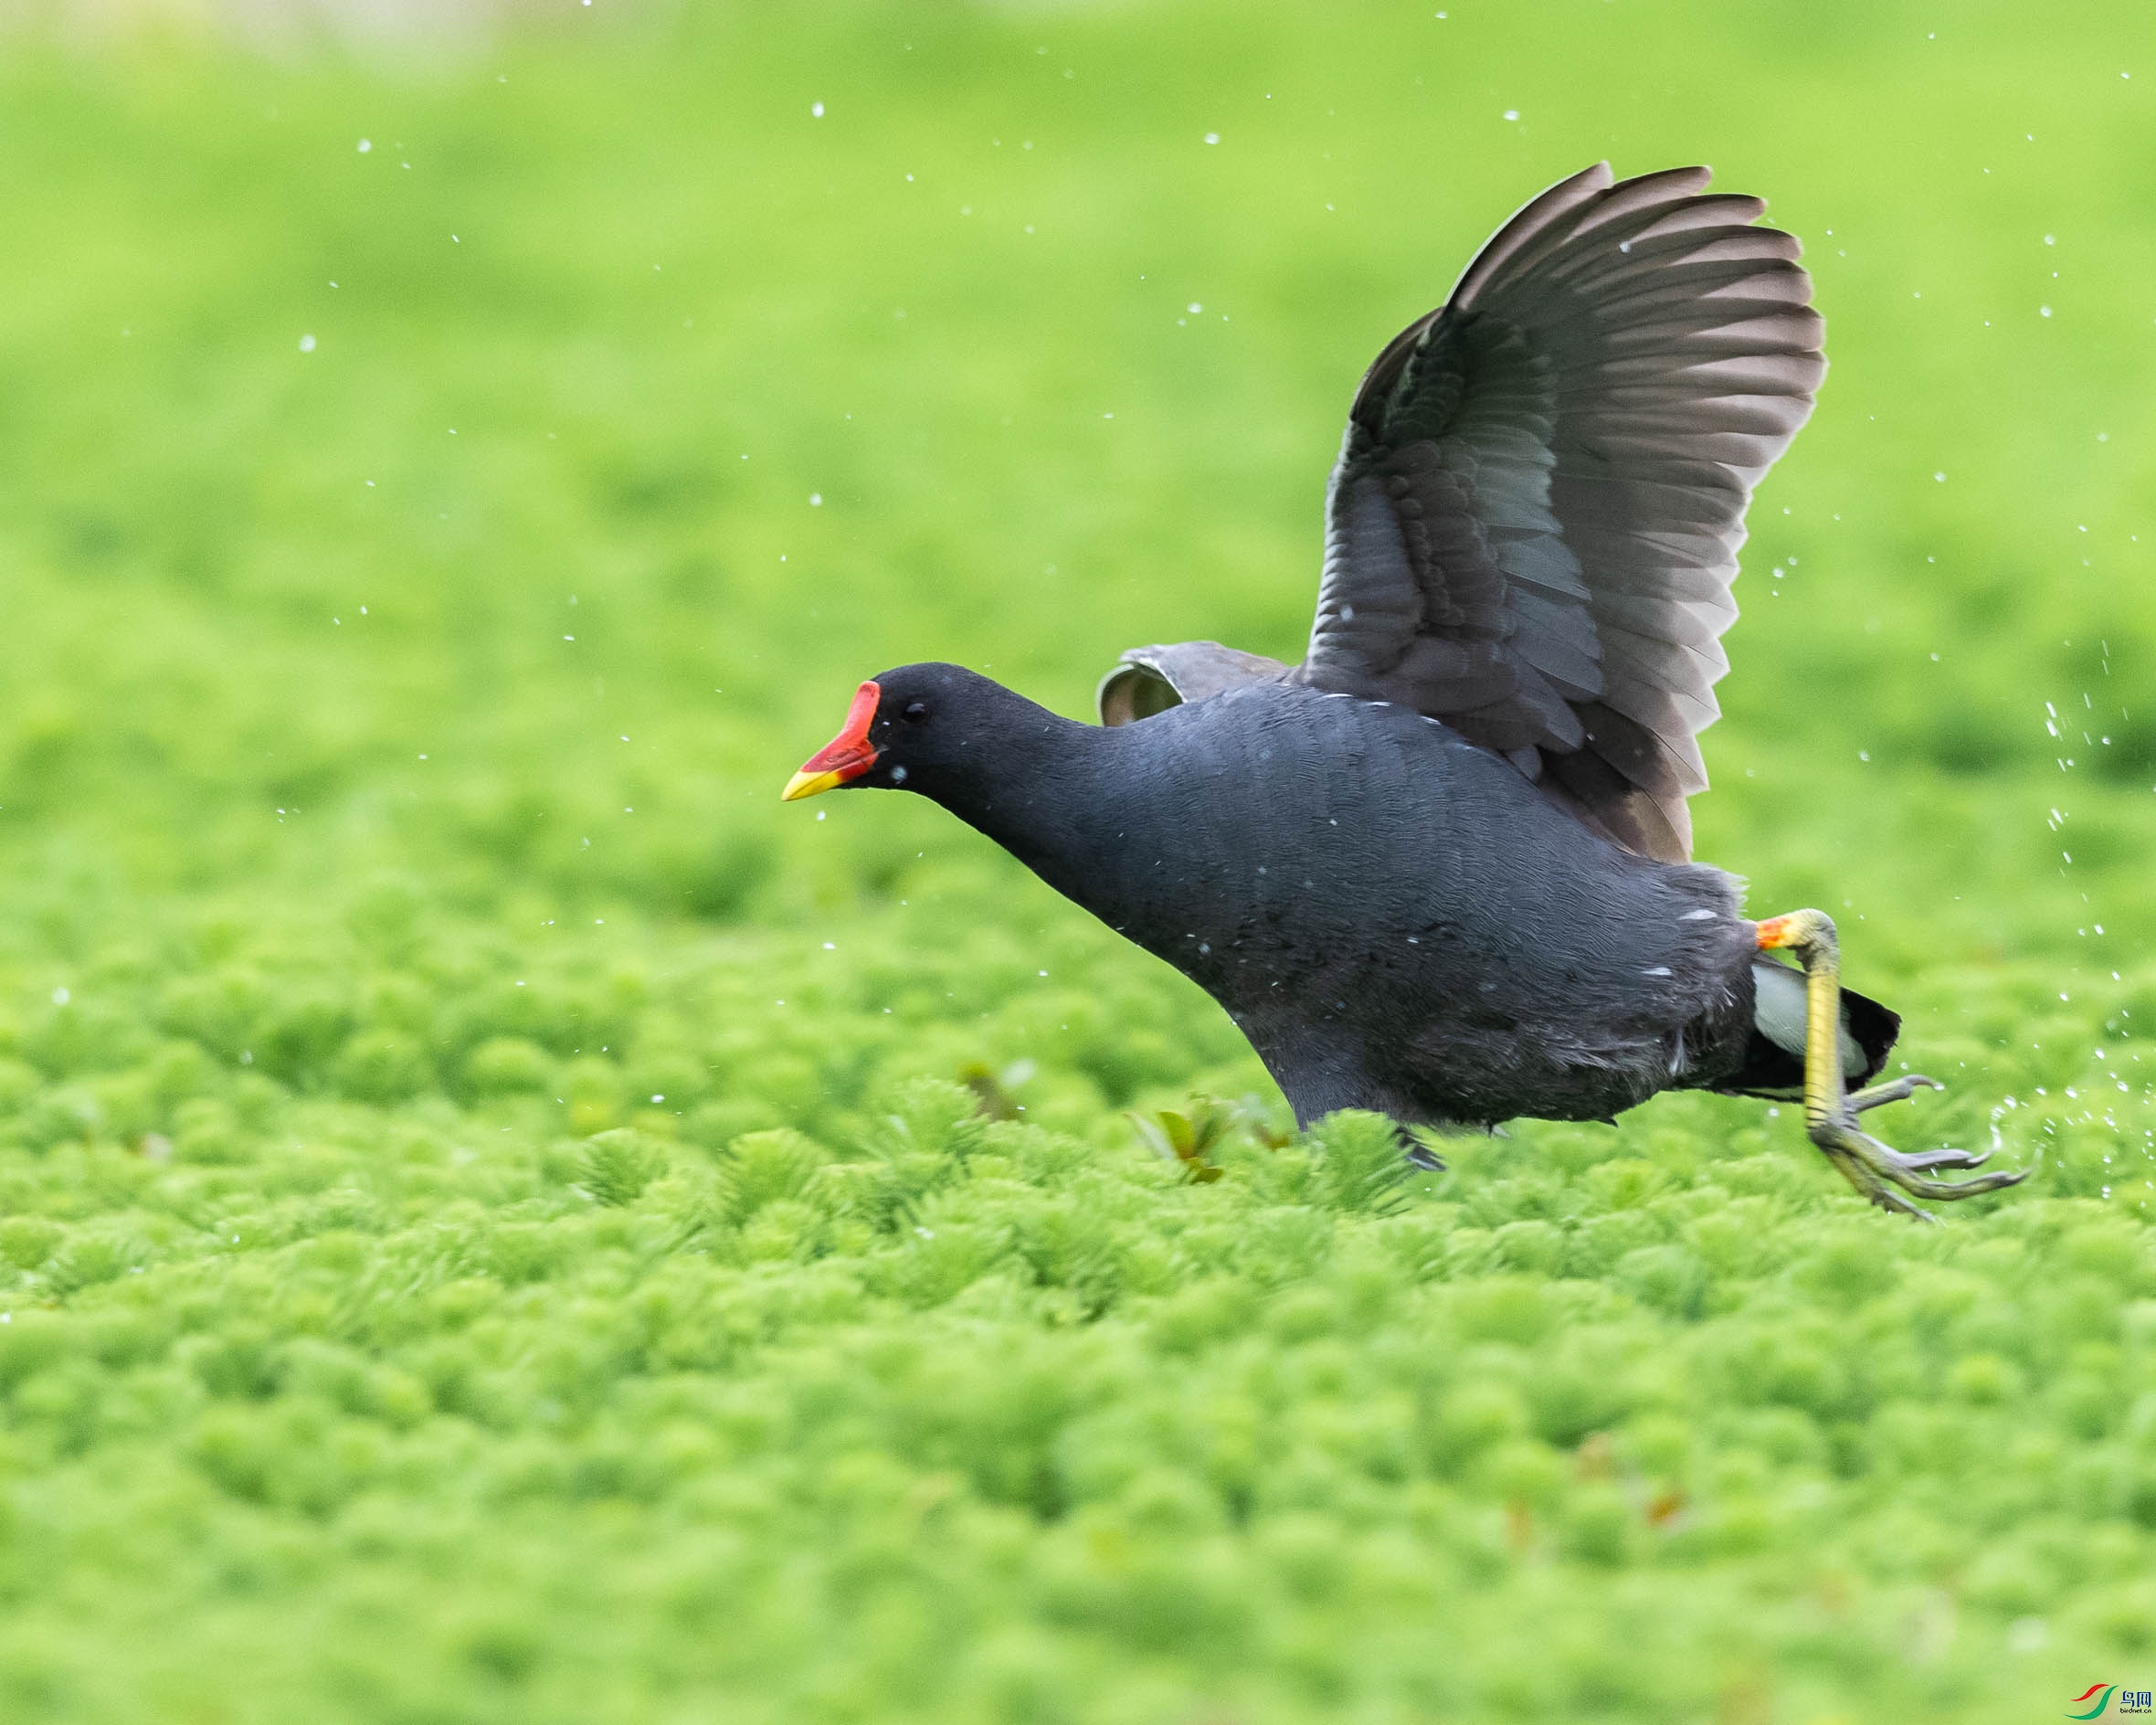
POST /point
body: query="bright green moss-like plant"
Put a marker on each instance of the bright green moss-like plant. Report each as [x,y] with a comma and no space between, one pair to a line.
[500,1222]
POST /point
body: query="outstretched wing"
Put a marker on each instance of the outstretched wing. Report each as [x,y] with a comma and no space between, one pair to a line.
[1533,521]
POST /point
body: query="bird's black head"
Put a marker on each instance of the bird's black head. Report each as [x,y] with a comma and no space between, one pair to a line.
[919,727]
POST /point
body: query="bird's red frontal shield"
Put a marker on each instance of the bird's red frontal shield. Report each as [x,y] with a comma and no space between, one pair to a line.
[846,756]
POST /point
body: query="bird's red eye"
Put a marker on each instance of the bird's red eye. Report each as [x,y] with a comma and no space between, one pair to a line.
[915,712]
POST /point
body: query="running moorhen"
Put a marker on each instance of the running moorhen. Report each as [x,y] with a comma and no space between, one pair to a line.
[1440,869]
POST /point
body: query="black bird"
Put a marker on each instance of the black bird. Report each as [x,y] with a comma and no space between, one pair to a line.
[1441,868]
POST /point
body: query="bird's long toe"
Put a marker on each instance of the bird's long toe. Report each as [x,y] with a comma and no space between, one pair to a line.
[1873,1190]
[1895,1090]
[1945,1157]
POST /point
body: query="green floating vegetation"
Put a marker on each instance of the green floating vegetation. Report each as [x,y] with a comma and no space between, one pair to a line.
[476,1368]
[499,1221]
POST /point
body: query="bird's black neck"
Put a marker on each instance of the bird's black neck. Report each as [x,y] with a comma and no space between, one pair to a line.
[1039,789]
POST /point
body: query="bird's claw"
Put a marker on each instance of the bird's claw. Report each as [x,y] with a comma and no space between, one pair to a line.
[1877,1171]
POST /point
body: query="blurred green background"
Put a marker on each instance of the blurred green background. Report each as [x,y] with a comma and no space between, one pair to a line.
[500,1220]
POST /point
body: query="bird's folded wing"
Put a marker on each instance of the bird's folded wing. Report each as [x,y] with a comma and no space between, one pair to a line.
[1149,680]
[1533,521]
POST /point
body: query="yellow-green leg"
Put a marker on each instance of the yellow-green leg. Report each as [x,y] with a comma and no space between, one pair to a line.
[1830,1113]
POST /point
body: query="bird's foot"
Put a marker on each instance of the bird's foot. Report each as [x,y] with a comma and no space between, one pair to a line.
[1877,1171]
[1418,1147]
[1885,1177]
[1422,1155]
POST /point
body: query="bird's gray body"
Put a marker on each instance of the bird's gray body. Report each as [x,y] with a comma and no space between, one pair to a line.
[1441,867]
[1395,917]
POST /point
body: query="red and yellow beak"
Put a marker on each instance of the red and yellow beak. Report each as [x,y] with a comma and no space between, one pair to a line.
[846,756]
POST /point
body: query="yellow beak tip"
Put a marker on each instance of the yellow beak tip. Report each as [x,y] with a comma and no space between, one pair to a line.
[807,785]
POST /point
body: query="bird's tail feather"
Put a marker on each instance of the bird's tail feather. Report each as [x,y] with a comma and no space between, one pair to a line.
[1774,1059]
